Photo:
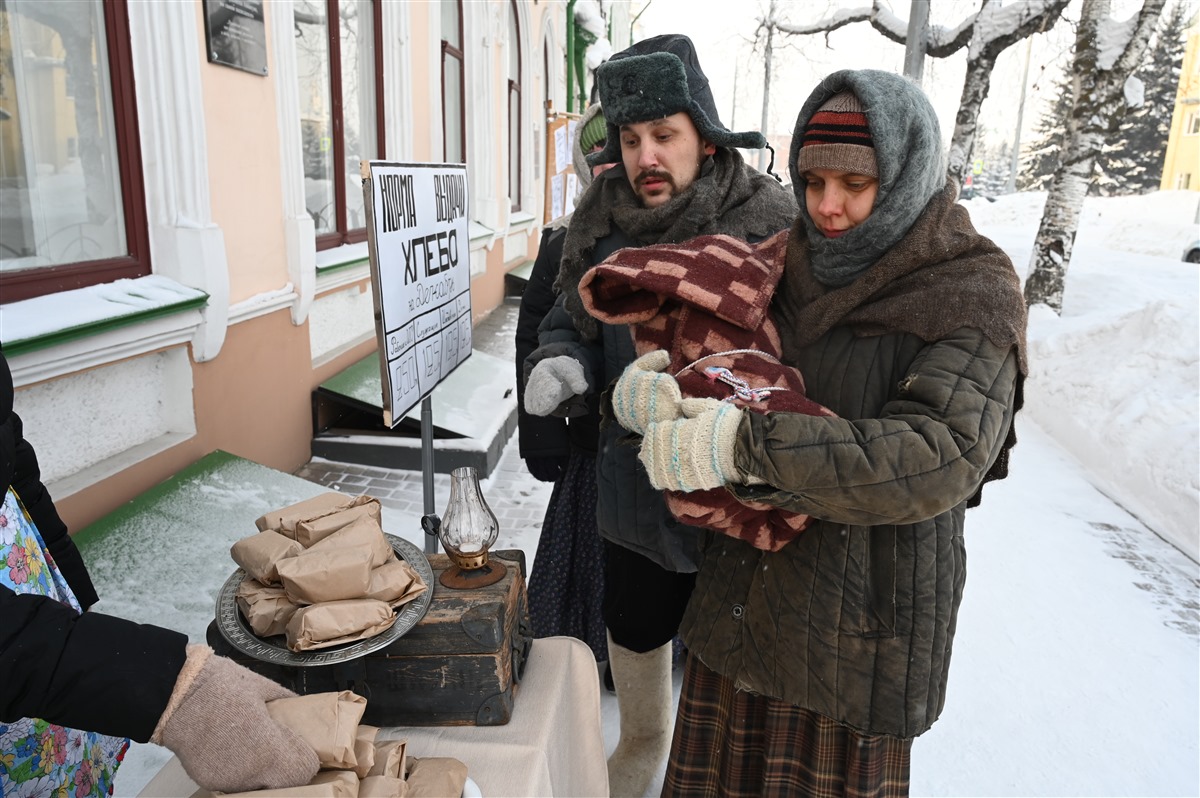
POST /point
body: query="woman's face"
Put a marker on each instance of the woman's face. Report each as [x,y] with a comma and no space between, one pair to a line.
[838,201]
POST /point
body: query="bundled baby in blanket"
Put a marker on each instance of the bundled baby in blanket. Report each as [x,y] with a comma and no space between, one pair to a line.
[700,312]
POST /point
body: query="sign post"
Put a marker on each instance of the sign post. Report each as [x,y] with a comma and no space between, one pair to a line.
[417,235]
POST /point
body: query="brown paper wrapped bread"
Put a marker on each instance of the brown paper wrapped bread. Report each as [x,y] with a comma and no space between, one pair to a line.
[266,609]
[382,787]
[435,777]
[362,531]
[284,519]
[315,576]
[312,531]
[259,555]
[364,749]
[332,623]
[389,759]
[395,583]
[339,789]
[327,721]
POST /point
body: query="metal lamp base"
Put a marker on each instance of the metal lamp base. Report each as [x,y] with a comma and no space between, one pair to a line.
[457,578]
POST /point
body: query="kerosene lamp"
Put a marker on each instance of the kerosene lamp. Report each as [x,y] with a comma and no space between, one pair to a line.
[468,529]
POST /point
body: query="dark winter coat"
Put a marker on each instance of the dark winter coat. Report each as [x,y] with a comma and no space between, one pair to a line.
[89,671]
[546,436]
[629,511]
[727,198]
[855,618]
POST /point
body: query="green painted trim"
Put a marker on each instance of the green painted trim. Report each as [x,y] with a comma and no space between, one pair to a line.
[23,346]
[522,272]
[334,267]
[121,516]
[361,381]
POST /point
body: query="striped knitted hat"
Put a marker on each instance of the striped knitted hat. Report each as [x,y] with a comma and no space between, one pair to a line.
[594,132]
[837,137]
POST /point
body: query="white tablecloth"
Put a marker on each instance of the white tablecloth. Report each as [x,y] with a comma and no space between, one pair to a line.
[552,746]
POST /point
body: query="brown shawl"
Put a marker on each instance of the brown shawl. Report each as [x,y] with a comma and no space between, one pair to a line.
[941,276]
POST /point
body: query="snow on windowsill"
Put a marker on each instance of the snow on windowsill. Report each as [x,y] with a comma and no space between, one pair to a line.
[54,315]
[58,333]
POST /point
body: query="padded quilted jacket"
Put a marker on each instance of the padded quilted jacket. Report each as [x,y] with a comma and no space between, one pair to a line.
[855,618]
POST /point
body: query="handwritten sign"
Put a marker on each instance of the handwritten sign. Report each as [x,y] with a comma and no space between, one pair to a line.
[417,233]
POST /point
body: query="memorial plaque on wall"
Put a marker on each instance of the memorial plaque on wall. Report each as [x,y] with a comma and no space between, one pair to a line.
[235,35]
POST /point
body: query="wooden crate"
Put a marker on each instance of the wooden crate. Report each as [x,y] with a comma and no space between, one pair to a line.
[460,665]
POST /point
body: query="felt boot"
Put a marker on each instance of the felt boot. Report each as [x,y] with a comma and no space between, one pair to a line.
[644,700]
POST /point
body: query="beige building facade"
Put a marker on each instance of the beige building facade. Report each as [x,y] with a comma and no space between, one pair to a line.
[183,256]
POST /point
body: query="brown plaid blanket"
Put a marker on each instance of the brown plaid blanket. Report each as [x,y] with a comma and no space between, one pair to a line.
[707,303]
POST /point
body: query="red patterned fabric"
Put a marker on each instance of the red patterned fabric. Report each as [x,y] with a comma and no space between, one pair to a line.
[705,302]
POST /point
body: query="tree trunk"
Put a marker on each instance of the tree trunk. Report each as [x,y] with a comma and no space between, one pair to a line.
[966,122]
[1099,81]
[768,56]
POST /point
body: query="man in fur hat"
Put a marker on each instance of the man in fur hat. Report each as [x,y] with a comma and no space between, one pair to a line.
[678,175]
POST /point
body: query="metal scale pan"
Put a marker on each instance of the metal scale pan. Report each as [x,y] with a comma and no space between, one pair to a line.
[274,649]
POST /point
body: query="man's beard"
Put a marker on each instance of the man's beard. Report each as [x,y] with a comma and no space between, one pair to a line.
[668,178]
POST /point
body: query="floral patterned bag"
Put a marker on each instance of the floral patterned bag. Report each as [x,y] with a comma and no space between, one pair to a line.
[38,758]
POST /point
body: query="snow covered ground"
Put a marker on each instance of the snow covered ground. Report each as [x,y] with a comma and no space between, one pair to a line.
[1077,660]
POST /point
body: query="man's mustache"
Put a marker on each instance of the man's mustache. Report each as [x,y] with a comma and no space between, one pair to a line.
[655,175]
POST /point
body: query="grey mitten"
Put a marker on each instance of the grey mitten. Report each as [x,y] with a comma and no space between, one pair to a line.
[216,722]
[552,382]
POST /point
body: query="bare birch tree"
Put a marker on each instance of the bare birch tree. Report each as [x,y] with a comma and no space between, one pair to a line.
[1107,51]
[986,34]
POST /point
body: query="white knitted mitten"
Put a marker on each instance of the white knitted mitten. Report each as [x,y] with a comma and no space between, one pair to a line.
[644,395]
[553,381]
[694,452]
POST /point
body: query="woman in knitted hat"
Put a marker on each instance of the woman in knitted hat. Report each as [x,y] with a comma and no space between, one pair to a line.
[813,667]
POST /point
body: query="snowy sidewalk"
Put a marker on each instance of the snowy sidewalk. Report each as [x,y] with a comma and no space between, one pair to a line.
[1077,659]
[1075,667]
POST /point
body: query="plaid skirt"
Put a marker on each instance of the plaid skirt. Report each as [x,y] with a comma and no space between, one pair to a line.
[732,743]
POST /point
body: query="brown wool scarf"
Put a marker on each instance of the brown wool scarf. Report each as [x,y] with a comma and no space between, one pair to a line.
[941,276]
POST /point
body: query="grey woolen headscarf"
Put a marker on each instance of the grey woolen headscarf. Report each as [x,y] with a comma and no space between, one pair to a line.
[911,164]
[583,172]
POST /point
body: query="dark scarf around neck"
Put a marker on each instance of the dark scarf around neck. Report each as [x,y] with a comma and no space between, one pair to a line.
[728,198]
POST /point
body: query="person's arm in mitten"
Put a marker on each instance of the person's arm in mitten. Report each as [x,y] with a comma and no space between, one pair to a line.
[552,382]
[216,722]
[695,451]
[644,395]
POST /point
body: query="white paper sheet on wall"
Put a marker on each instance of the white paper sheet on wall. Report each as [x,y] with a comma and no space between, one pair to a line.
[572,189]
[562,149]
[556,196]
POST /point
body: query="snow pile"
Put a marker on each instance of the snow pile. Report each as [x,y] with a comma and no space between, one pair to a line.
[1115,379]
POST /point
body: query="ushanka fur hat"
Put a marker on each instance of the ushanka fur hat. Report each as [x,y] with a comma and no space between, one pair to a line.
[656,78]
